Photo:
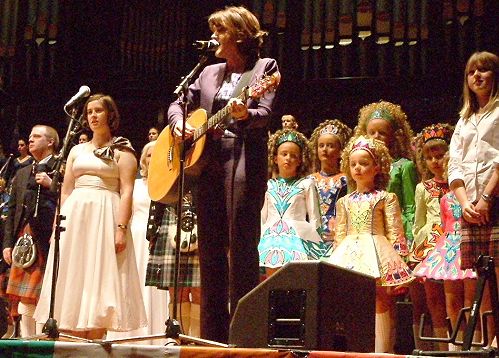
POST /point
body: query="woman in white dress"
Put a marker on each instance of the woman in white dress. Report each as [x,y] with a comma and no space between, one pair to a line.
[98,287]
[154,299]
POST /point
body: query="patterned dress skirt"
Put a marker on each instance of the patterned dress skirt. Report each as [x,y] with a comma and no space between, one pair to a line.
[161,265]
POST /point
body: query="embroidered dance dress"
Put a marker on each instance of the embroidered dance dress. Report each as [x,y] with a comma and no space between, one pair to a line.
[330,188]
[403,180]
[370,237]
[427,227]
[444,261]
[286,234]
[96,287]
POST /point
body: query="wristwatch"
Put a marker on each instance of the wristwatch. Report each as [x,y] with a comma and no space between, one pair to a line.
[122,226]
[488,198]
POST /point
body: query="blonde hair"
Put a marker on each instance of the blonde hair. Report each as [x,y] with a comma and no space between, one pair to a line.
[381,156]
[274,143]
[343,132]
[489,62]
[52,134]
[144,169]
[402,132]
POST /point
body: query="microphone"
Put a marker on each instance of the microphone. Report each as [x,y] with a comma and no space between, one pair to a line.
[83,92]
[211,45]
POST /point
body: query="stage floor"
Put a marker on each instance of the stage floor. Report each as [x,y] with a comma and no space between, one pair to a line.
[40,349]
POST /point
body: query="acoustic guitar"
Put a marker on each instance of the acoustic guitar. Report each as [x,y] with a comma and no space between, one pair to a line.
[164,168]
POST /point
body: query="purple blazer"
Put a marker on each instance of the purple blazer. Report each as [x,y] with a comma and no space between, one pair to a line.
[210,80]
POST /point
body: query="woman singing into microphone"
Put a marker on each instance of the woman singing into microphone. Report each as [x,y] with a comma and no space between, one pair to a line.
[232,184]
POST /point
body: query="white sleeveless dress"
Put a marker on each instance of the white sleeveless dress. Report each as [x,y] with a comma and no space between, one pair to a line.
[96,288]
[155,300]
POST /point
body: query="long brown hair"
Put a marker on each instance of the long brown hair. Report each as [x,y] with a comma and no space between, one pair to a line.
[488,62]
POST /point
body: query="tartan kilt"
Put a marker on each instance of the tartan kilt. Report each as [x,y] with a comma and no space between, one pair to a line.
[480,240]
[161,265]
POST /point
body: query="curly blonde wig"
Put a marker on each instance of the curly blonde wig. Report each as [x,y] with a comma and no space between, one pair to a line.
[329,126]
[380,154]
[427,140]
[402,132]
[280,137]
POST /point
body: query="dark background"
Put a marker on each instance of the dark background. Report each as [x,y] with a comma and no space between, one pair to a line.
[137,51]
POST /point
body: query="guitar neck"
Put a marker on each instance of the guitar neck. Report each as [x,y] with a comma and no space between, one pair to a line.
[216,118]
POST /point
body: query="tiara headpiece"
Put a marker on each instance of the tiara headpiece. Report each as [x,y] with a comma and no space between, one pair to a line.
[436,131]
[290,136]
[382,113]
[363,143]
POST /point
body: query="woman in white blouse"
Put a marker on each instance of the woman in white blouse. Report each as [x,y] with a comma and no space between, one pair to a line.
[474,163]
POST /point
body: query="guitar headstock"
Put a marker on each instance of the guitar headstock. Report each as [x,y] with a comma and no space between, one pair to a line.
[265,84]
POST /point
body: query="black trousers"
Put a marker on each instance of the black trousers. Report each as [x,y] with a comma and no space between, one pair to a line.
[229,200]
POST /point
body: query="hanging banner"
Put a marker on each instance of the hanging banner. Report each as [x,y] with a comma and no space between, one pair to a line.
[268,20]
[478,24]
[306,37]
[398,36]
[412,36]
[424,36]
[383,32]
[318,26]
[281,30]
[345,32]
[41,36]
[364,18]
[52,35]
[330,35]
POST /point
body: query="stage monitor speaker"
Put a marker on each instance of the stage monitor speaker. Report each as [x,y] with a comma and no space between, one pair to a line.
[311,305]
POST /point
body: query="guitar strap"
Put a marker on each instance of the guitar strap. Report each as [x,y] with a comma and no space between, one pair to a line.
[243,82]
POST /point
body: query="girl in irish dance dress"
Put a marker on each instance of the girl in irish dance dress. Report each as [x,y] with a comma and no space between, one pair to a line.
[369,232]
[444,261]
[291,215]
[326,144]
[431,145]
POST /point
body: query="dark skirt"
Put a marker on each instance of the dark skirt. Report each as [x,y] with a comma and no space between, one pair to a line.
[161,265]
[480,240]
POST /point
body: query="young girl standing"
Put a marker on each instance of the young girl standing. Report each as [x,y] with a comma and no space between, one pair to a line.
[326,144]
[387,122]
[431,146]
[290,200]
[474,163]
[444,261]
[369,232]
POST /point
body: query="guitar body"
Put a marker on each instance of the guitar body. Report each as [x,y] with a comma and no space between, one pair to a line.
[164,168]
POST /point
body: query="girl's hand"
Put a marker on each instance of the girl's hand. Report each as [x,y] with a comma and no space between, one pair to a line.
[120,240]
[470,214]
[483,207]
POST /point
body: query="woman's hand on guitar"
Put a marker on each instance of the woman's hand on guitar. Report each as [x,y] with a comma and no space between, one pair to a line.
[239,110]
[177,131]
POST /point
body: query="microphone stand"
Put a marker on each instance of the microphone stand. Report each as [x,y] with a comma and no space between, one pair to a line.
[50,329]
[173,328]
